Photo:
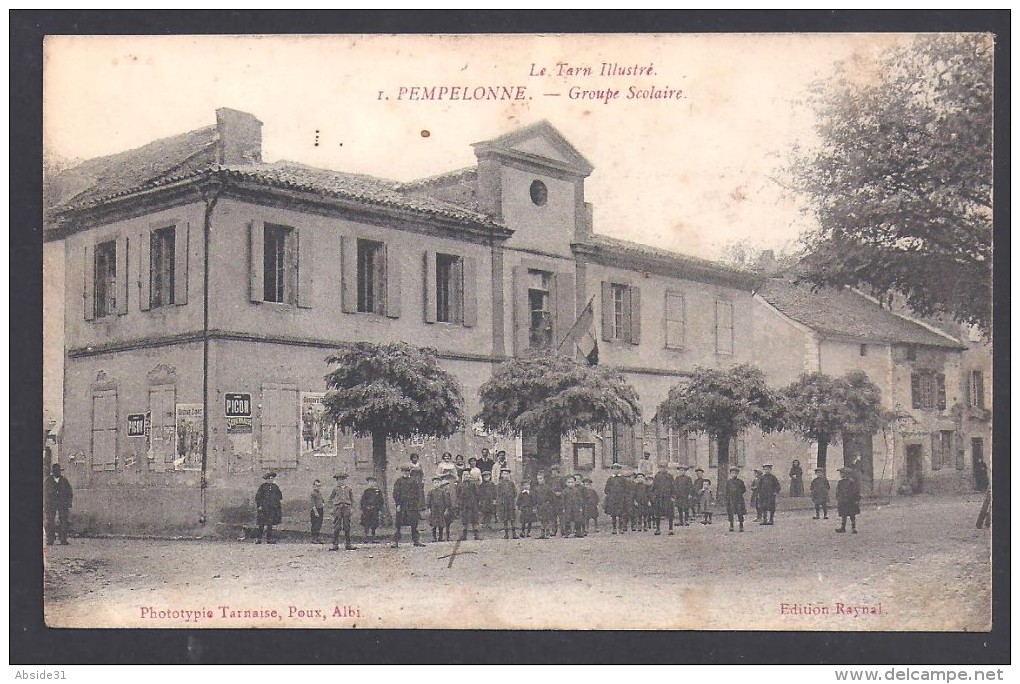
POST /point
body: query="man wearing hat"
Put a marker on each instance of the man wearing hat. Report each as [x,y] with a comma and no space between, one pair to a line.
[57,496]
[371,505]
[848,499]
[820,493]
[683,492]
[696,489]
[268,507]
[407,501]
[616,497]
[342,500]
[755,498]
[506,502]
[768,490]
[663,486]
[735,490]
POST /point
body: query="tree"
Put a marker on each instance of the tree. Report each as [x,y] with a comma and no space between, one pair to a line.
[901,184]
[391,391]
[824,409]
[723,403]
[551,396]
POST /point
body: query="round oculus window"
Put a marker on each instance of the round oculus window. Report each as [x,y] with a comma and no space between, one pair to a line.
[539,193]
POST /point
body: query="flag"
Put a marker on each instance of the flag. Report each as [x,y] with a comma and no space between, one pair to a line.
[580,337]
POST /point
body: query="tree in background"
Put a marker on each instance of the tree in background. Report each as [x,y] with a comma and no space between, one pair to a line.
[824,409]
[901,184]
[551,396]
[723,403]
[391,391]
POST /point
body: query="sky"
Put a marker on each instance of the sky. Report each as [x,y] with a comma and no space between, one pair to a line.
[692,174]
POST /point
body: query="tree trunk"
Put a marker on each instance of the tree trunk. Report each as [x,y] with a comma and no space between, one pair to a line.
[381,469]
[823,446]
[723,462]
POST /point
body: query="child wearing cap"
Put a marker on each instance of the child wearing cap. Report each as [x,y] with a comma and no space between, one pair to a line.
[526,505]
[698,486]
[467,497]
[573,508]
[506,499]
[371,506]
[735,490]
[820,493]
[544,503]
[616,498]
[591,506]
[487,499]
[848,500]
[268,507]
[439,505]
[705,501]
[639,502]
[684,493]
[342,500]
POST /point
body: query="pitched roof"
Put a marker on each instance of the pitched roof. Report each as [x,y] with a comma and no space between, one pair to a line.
[848,314]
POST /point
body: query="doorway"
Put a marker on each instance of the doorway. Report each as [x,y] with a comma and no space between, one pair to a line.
[977,462]
[915,465]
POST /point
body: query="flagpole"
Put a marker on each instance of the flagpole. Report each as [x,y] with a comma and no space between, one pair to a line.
[571,331]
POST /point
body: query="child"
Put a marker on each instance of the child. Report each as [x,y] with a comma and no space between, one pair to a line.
[820,493]
[545,505]
[506,498]
[573,508]
[591,505]
[371,505]
[526,505]
[317,509]
[848,500]
[439,504]
[639,495]
[487,499]
[450,487]
[735,490]
[705,501]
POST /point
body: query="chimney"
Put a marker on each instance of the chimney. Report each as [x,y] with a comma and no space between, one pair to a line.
[240,137]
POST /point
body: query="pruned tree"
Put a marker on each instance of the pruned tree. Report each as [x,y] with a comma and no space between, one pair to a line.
[391,391]
[723,403]
[554,395]
[824,409]
[901,182]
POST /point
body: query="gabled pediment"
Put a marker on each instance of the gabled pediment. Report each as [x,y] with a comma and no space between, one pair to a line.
[538,143]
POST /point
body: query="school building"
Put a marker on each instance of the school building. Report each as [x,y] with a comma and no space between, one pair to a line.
[205,289]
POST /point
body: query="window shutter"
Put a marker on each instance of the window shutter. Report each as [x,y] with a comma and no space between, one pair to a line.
[638,448]
[470,290]
[349,274]
[257,240]
[915,390]
[144,270]
[607,310]
[289,407]
[564,292]
[635,314]
[429,289]
[181,264]
[936,452]
[522,311]
[392,271]
[968,393]
[89,285]
[305,268]
[940,387]
[979,389]
[122,275]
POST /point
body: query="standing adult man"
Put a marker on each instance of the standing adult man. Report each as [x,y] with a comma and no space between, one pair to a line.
[683,492]
[735,490]
[848,499]
[645,466]
[57,496]
[485,463]
[342,500]
[408,502]
[268,507]
[768,490]
[663,485]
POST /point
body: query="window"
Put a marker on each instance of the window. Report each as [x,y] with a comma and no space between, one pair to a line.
[539,305]
[680,447]
[584,456]
[161,267]
[618,447]
[723,327]
[278,260]
[976,389]
[539,193]
[371,277]
[928,390]
[675,305]
[738,451]
[106,279]
[449,289]
[621,312]
[104,430]
[942,449]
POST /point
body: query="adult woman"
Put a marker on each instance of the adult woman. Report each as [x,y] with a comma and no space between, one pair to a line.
[796,479]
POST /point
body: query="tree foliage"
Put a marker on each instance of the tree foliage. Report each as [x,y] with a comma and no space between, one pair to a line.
[555,395]
[394,390]
[824,408]
[901,184]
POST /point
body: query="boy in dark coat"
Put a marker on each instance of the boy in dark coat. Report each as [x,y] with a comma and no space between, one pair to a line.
[57,497]
[696,487]
[545,504]
[735,490]
[820,493]
[342,500]
[616,498]
[591,505]
[684,493]
[662,498]
[557,483]
[768,490]
[506,500]
[467,497]
[439,504]
[407,502]
[371,505]
[450,488]
[487,499]
[640,499]
[526,505]
[268,507]
[848,500]
[573,508]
